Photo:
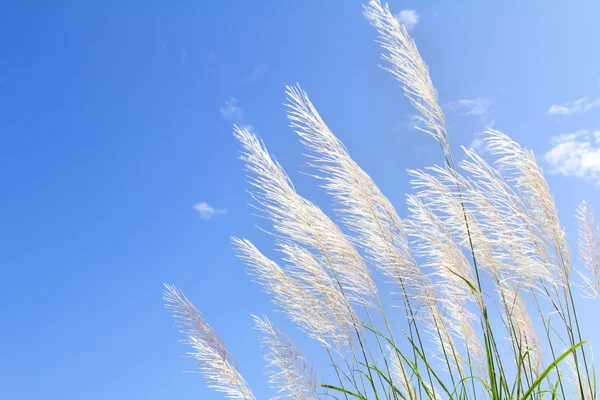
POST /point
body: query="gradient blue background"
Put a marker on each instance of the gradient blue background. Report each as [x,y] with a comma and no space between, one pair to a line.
[111,132]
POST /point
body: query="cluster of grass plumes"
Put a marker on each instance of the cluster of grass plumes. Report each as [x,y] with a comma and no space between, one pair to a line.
[481,255]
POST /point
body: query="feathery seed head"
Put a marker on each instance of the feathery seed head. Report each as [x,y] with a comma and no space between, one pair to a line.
[589,252]
[365,210]
[289,371]
[318,318]
[409,68]
[297,220]
[529,179]
[217,365]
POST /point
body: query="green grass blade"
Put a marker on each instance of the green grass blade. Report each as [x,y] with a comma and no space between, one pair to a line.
[339,389]
[549,369]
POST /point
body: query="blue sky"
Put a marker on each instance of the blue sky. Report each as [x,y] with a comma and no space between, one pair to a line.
[116,122]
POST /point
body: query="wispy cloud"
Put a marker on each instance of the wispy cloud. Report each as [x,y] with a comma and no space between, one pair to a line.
[207,212]
[576,154]
[408,18]
[231,109]
[479,107]
[578,107]
[475,106]
[183,56]
[256,73]
[478,144]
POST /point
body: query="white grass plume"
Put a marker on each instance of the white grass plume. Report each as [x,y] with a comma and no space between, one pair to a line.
[522,330]
[491,241]
[409,68]
[529,179]
[589,251]
[435,243]
[399,377]
[215,362]
[503,217]
[320,318]
[306,268]
[365,210]
[576,387]
[450,272]
[289,372]
[297,220]
[438,188]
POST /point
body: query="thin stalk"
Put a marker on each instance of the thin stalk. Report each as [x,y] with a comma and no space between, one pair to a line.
[382,311]
[547,330]
[580,340]
[336,370]
[387,367]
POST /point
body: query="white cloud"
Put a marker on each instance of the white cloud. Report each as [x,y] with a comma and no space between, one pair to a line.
[555,109]
[476,106]
[206,212]
[576,154]
[408,18]
[478,144]
[569,137]
[578,107]
[231,110]
[257,72]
